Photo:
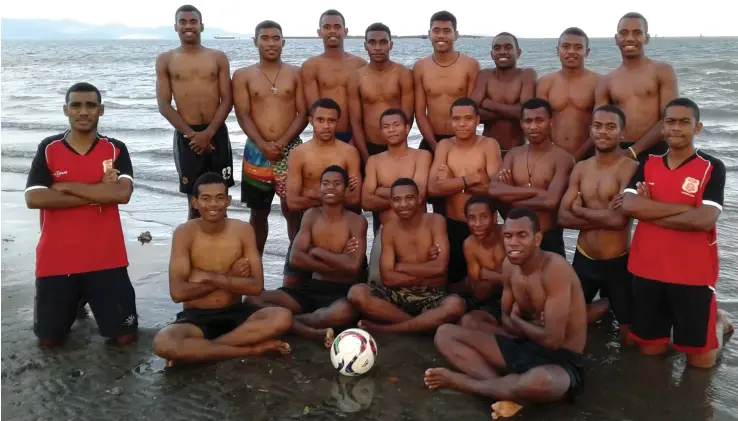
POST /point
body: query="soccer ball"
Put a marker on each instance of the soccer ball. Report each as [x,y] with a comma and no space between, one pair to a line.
[353,352]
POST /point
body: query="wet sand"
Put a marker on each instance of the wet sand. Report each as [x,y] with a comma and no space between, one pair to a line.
[89,380]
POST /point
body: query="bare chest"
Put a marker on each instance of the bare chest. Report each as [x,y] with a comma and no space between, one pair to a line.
[463,162]
[385,89]
[280,90]
[215,254]
[332,75]
[528,292]
[531,170]
[183,69]
[598,187]
[446,81]
[504,92]
[330,235]
[413,246]
[389,170]
[578,94]
[626,86]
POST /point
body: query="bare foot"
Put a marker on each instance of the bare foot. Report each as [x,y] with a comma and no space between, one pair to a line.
[270,346]
[329,336]
[504,409]
[372,327]
[440,378]
[723,318]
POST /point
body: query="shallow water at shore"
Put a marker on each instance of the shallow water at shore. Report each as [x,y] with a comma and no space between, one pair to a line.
[130,383]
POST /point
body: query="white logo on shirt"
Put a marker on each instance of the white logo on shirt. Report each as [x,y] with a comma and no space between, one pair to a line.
[59,173]
[690,186]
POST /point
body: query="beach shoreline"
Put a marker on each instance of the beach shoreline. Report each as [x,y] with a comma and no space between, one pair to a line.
[130,382]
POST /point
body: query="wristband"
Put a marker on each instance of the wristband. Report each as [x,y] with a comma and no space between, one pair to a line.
[635,156]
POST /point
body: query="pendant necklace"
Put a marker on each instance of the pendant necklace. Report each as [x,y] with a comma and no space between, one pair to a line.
[274,84]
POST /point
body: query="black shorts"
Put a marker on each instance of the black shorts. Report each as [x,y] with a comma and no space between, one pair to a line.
[109,293]
[690,310]
[344,137]
[523,355]
[492,306]
[611,279]
[458,231]
[553,241]
[315,294]
[438,203]
[191,165]
[217,321]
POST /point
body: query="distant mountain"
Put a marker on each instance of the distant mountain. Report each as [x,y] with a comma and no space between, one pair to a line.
[43,29]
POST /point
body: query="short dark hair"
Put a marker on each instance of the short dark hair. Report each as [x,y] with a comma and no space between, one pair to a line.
[684,102]
[404,182]
[393,111]
[534,104]
[635,15]
[332,12]
[576,32]
[444,16]
[188,8]
[82,87]
[484,200]
[336,168]
[267,24]
[325,103]
[208,178]
[517,213]
[612,109]
[464,102]
[378,27]
[507,34]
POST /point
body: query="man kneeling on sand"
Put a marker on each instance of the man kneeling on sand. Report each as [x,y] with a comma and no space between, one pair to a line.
[214,262]
[331,244]
[413,266]
[540,357]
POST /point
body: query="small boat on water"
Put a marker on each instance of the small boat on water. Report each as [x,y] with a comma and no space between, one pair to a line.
[225,37]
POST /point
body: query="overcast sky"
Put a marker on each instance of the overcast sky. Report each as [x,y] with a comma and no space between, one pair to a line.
[535,19]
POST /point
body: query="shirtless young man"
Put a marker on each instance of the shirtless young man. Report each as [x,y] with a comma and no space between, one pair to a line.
[307,163]
[380,85]
[641,87]
[199,79]
[571,94]
[214,262]
[591,204]
[331,244]
[500,91]
[400,161]
[327,75]
[536,359]
[441,79]
[536,175]
[413,265]
[270,108]
[463,166]
[484,252]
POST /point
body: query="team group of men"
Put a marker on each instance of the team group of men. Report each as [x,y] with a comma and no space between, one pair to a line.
[508,310]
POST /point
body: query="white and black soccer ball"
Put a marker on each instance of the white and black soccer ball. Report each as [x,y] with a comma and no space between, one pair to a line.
[353,352]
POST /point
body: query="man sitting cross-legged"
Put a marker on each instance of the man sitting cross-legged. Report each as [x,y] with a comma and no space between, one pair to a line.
[413,266]
[331,244]
[539,356]
[214,262]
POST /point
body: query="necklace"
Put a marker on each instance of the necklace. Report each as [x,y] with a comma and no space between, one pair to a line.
[527,163]
[274,84]
[458,54]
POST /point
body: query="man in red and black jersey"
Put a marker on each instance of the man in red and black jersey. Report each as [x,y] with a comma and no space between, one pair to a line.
[677,198]
[77,180]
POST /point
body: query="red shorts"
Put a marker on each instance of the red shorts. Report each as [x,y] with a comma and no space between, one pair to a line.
[690,310]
